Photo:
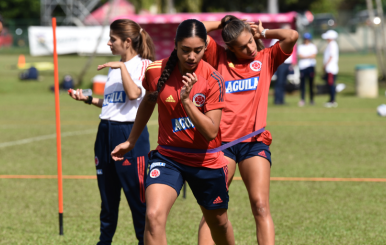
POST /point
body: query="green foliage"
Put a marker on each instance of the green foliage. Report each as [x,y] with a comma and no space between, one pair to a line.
[325,6]
[193,6]
[20,9]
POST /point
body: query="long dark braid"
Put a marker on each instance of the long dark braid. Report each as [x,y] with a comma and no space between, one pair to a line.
[187,28]
[172,62]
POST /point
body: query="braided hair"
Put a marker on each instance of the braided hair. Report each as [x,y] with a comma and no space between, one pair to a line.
[187,28]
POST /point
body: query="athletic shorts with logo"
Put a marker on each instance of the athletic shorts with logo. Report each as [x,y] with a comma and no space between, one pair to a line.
[209,186]
[242,151]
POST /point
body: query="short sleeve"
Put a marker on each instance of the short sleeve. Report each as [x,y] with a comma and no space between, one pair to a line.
[277,55]
[152,73]
[138,80]
[212,53]
[145,82]
[215,97]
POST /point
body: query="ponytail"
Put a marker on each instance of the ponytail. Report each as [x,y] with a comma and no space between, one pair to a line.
[232,27]
[141,40]
[146,47]
[172,62]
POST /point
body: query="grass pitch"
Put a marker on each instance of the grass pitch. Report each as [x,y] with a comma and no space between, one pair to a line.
[313,141]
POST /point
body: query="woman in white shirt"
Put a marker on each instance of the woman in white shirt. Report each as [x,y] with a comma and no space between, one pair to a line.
[122,95]
[307,62]
[330,65]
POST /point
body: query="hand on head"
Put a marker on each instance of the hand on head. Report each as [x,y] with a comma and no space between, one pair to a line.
[256,29]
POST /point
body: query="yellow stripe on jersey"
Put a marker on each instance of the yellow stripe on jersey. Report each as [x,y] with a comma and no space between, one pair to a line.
[152,67]
[155,64]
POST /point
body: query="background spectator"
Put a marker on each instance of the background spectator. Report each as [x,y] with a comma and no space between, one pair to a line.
[307,53]
[330,65]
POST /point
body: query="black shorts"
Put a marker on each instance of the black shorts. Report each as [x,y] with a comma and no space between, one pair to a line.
[209,186]
[242,151]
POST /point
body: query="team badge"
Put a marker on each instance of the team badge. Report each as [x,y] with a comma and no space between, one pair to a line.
[255,65]
[96,161]
[157,164]
[199,100]
[155,173]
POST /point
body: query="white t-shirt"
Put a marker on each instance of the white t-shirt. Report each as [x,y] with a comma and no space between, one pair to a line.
[307,50]
[332,50]
[289,59]
[116,104]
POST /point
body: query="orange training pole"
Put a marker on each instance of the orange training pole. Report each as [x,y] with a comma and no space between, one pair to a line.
[58,141]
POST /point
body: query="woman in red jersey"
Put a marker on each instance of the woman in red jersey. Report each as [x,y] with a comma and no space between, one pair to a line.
[247,70]
[190,97]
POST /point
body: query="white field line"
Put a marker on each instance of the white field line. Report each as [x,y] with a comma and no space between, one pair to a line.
[53,136]
[45,137]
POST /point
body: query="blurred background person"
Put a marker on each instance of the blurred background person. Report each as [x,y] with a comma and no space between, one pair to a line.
[330,65]
[307,62]
[281,74]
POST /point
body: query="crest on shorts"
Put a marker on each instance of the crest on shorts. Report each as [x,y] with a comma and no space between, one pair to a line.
[155,173]
[199,100]
[96,161]
[255,65]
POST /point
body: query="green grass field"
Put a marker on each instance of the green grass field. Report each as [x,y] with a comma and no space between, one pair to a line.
[348,141]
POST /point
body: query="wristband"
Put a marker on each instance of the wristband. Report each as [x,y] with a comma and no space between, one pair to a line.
[89,100]
[263,32]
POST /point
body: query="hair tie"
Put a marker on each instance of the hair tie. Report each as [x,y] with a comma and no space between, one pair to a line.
[226,22]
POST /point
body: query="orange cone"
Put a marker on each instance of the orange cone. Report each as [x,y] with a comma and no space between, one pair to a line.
[21,61]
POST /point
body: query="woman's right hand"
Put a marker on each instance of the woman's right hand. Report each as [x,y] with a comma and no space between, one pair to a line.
[78,95]
[120,150]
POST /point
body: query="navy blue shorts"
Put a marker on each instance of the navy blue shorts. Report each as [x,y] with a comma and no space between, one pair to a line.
[242,151]
[209,186]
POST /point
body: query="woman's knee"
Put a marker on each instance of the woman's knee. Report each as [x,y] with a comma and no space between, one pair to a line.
[155,219]
[260,208]
[219,222]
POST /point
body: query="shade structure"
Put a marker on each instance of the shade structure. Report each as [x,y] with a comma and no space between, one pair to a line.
[119,7]
[162,27]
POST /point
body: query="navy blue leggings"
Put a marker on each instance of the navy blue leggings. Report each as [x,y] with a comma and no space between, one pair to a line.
[281,74]
[113,176]
[309,73]
[330,80]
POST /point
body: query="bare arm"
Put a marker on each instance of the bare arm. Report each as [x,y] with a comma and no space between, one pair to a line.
[211,26]
[79,96]
[131,89]
[287,37]
[145,110]
[207,124]
[307,57]
[216,25]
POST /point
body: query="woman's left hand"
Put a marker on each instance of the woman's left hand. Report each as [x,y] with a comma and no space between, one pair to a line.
[112,65]
[188,80]
[256,29]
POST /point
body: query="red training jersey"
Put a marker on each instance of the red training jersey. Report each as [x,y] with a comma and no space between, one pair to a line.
[247,87]
[175,127]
